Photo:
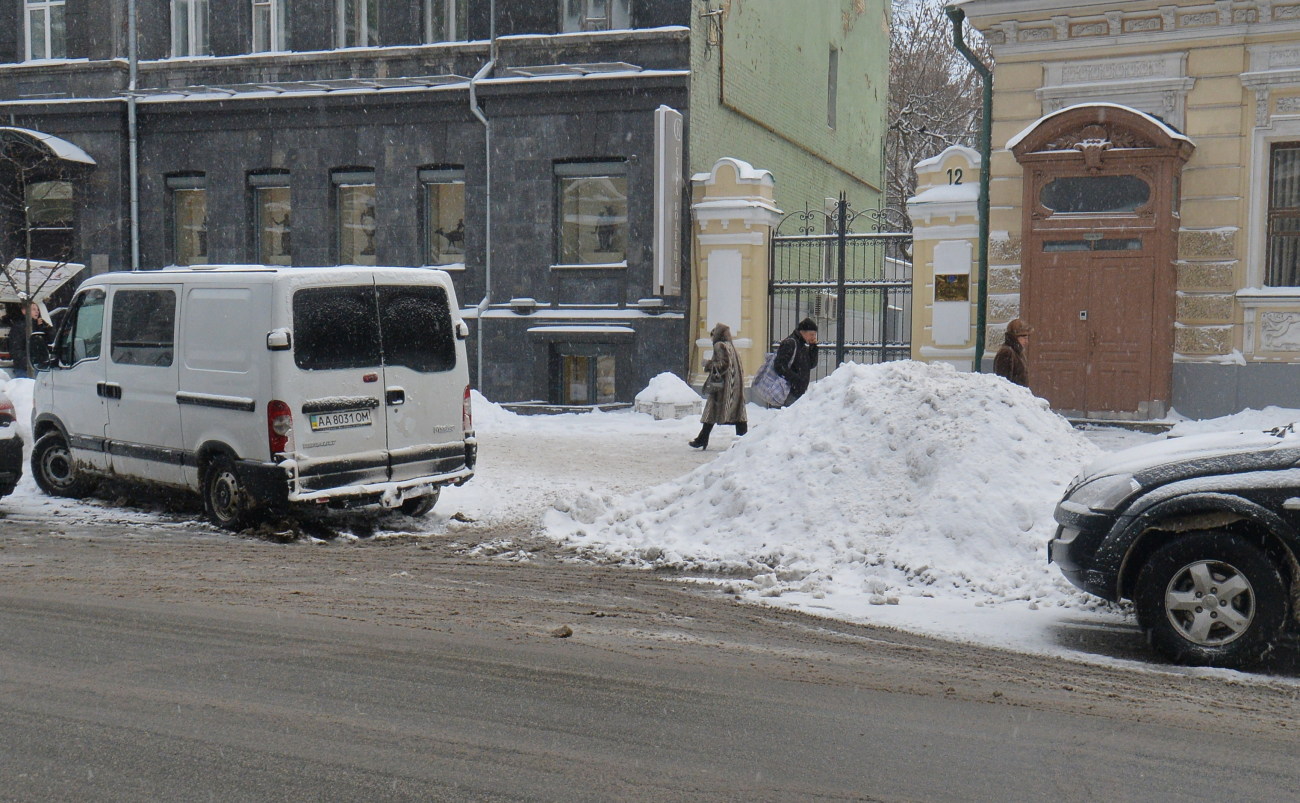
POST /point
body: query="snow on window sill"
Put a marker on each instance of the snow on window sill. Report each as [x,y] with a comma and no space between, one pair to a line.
[593,266]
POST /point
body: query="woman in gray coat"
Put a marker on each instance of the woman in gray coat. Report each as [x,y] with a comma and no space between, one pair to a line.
[726,405]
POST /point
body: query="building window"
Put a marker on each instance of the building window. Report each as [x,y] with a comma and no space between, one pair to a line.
[189,219]
[354,210]
[585,374]
[357,23]
[595,15]
[190,28]
[592,200]
[49,220]
[269,29]
[1284,217]
[832,86]
[45,31]
[446,21]
[443,195]
[271,225]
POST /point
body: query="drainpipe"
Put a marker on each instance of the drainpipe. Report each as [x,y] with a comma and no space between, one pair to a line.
[958,16]
[487,183]
[132,134]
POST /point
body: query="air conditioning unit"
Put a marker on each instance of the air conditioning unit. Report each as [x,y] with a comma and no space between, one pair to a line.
[825,306]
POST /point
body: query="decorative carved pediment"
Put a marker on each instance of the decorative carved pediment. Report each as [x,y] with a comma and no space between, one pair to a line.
[1099,136]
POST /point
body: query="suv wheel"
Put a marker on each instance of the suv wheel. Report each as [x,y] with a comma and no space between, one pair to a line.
[1211,598]
[55,471]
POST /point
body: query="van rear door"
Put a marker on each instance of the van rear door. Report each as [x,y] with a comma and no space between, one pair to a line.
[340,432]
[422,393]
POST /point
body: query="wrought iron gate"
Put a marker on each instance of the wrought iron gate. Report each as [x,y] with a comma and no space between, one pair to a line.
[857,286]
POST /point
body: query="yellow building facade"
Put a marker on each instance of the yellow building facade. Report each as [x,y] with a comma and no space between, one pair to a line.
[1144,204]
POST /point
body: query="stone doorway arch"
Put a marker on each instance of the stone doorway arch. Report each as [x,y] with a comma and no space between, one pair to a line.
[1100,226]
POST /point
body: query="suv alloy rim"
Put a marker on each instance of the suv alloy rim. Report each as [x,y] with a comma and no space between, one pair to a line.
[1210,603]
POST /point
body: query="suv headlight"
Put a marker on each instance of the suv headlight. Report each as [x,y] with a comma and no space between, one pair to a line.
[1104,493]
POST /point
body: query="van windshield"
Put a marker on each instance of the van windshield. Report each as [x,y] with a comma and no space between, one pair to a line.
[364,327]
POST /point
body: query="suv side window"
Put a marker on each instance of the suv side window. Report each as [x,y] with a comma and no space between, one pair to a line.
[81,335]
[416,328]
[144,327]
[334,327]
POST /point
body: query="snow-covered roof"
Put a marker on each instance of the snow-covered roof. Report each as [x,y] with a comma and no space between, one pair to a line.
[58,148]
[1171,132]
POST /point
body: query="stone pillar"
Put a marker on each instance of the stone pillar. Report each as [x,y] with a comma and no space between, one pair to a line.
[945,252]
[733,216]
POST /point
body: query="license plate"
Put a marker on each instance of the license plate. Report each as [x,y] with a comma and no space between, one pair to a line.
[339,420]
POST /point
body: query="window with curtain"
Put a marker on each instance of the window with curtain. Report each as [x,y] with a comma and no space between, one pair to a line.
[592,201]
[190,28]
[446,21]
[595,15]
[355,217]
[45,30]
[357,23]
[1283,259]
[271,221]
[189,219]
[443,193]
[269,26]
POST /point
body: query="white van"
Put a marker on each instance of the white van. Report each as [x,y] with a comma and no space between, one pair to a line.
[259,388]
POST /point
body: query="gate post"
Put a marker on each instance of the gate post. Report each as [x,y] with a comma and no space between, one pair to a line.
[945,232]
[733,216]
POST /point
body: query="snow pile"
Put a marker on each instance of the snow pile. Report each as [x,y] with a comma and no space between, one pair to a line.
[901,479]
[1258,420]
[19,392]
[667,388]
[489,416]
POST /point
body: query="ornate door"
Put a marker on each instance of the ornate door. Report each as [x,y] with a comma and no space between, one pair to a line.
[1097,275]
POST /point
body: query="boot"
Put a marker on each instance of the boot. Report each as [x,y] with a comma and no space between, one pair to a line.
[741,428]
[702,440]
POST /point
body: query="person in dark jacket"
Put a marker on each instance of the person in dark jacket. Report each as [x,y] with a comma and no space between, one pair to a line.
[1010,363]
[18,338]
[726,404]
[796,357]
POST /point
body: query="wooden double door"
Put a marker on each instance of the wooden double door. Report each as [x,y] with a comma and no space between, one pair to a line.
[1100,223]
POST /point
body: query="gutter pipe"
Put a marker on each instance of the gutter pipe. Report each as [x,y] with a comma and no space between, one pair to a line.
[487,184]
[958,16]
[132,133]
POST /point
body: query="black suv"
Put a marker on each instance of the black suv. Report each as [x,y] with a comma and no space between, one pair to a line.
[11,448]
[1202,533]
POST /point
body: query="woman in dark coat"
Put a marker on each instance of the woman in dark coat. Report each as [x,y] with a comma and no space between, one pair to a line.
[726,405]
[1009,363]
[796,357]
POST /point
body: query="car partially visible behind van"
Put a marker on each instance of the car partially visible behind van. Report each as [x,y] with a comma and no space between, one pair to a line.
[260,388]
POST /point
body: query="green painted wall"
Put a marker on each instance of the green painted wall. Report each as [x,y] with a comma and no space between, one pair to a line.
[769,60]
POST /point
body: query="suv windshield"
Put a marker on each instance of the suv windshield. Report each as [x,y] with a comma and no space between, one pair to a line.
[364,327]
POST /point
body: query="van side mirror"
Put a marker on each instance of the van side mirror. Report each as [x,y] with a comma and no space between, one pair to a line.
[38,352]
[279,340]
[462,330]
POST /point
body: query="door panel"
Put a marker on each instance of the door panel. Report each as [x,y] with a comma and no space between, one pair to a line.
[143,375]
[424,429]
[339,406]
[1120,324]
[1058,348]
[74,387]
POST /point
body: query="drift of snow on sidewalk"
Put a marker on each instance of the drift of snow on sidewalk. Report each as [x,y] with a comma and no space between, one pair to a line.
[884,482]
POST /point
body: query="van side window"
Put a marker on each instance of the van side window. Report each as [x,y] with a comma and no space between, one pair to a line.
[415,323]
[80,338]
[143,327]
[335,327]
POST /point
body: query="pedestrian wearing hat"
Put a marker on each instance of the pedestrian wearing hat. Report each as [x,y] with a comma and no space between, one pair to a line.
[795,358]
[1010,360]
[725,403]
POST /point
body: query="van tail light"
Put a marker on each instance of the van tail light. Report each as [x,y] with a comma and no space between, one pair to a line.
[279,425]
[8,414]
[466,415]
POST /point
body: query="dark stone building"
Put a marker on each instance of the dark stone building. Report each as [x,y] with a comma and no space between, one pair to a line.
[520,156]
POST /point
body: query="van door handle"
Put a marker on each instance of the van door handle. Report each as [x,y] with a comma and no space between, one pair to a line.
[109,390]
[395,396]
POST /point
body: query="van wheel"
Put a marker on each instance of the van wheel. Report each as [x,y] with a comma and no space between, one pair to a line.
[225,498]
[55,471]
[420,505]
